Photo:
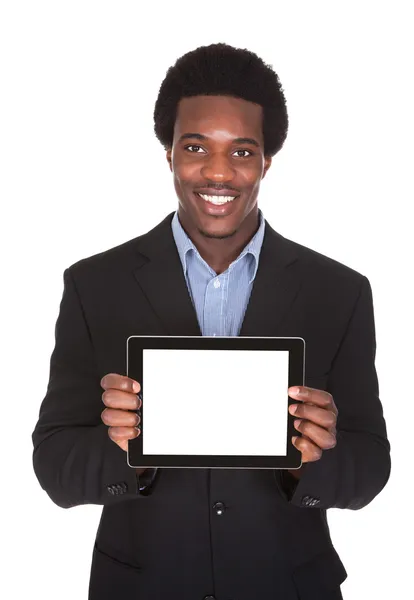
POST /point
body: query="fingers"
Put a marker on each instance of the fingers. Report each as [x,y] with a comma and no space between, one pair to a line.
[310,452]
[321,437]
[319,398]
[113,398]
[121,435]
[321,416]
[120,398]
[119,418]
[120,392]
[122,426]
[120,382]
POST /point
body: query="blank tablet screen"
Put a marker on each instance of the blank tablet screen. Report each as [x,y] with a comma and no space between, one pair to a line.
[215,402]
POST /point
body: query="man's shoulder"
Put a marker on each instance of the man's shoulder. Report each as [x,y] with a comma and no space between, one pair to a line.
[321,268]
[123,256]
[107,257]
[105,265]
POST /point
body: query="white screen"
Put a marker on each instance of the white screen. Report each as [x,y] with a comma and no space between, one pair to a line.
[215,402]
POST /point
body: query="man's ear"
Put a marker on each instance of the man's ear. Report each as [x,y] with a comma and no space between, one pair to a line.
[268,162]
[169,157]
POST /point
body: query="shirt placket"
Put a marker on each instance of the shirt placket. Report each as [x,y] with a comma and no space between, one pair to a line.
[213,306]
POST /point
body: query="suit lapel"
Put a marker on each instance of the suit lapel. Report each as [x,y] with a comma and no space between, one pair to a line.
[275,287]
[160,276]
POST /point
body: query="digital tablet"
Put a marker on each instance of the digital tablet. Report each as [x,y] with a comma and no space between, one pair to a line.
[215,402]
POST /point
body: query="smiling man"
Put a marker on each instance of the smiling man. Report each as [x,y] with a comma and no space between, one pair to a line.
[214,267]
[217,159]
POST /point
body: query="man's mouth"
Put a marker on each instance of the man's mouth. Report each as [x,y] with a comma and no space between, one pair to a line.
[218,200]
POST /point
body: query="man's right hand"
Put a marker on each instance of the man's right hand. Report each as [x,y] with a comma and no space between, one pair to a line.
[120,397]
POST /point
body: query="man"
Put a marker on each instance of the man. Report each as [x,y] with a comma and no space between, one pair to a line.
[214,267]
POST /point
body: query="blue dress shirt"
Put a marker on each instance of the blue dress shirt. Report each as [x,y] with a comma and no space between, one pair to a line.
[220,301]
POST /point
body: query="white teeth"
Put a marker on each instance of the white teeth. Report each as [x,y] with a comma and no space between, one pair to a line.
[217,199]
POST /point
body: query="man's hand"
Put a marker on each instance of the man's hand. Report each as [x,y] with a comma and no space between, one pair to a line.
[120,397]
[317,416]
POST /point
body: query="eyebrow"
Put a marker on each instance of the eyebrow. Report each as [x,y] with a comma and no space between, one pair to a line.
[239,140]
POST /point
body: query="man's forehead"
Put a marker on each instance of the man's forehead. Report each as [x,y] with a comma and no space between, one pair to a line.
[225,116]
[202,106]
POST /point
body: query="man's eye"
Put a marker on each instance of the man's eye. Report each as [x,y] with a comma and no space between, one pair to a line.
[192,146]
[250,153]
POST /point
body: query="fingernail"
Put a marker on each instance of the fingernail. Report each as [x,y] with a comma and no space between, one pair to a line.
[295,391]
[294,438]
[293,408]
[136,387]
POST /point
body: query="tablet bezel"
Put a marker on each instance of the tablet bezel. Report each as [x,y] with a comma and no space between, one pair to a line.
[134,357]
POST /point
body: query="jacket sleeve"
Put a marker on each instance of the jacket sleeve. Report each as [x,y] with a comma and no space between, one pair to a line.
[352,473]
[74,459]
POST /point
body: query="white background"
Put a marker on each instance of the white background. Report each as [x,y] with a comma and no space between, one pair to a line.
[83,172]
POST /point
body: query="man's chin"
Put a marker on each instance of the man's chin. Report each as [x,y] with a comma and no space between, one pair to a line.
[219,235]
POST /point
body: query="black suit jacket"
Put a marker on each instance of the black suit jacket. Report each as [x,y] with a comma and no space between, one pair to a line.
[172,542]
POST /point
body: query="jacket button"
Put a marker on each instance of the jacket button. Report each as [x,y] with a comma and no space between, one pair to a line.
[309,501]
[209,598]
[219,508]
[117,489]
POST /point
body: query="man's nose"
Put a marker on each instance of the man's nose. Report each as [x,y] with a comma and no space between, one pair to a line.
[218,168]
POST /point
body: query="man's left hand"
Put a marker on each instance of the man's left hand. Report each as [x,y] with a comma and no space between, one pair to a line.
[316,421]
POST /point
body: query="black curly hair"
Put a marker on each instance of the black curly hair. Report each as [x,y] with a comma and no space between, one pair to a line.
[222,70]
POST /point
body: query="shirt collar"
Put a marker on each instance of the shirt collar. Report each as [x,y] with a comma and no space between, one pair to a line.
[184,244]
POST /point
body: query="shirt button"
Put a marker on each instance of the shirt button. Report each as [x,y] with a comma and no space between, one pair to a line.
[217,283]
[219,508]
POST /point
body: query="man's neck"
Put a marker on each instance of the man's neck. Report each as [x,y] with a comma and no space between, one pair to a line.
[220,253]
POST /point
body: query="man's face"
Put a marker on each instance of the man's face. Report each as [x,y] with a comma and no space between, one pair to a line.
[208,158]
